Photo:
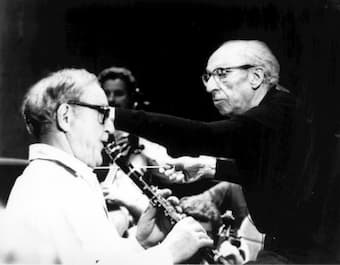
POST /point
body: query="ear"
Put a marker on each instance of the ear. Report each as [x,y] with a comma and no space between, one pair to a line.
[256,77]
[63,117]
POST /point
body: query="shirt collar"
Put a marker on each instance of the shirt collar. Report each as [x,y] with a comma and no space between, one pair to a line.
[45,151]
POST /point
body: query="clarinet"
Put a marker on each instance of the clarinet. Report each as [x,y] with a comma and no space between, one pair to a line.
[210,255]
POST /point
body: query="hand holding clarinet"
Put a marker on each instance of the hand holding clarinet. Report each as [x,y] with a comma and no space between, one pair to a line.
[162,223]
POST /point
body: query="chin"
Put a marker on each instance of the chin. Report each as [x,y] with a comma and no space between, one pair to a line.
[98,163]
[95,162]
[224,112]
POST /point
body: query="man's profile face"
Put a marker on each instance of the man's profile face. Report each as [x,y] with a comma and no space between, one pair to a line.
[232,94]
[116,92]
[88,135]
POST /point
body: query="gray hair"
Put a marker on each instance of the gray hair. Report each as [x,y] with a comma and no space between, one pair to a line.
[258,53]
[43,98]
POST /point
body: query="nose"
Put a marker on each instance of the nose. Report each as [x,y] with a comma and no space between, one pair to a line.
[109,126]
[211,85]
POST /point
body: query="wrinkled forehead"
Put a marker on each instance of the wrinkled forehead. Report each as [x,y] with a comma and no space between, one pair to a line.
[228,55]
[93,94]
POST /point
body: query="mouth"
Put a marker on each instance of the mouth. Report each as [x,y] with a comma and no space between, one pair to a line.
[217,101]
[108,138]
[215,97]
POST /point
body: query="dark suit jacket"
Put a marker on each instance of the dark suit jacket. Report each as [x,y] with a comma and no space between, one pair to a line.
[263,141]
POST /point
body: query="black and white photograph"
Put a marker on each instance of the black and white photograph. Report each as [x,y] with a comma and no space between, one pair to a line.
[169,132]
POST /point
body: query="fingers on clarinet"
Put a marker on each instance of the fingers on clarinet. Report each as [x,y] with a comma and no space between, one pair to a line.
[150,211]
[205,240]
[164,192]
[173,200]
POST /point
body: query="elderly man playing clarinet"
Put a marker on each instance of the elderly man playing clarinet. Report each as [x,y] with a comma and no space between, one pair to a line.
[59,195]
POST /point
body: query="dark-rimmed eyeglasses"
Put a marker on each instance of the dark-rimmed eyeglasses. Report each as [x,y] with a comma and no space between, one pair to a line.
[104,111]
[222,72]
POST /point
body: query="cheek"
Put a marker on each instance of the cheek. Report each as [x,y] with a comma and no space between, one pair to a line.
[237,98]
[93,148]
[86,140]
[235,93]
[231,94]
[91,137]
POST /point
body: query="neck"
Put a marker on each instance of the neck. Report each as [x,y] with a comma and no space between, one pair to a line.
[58,140]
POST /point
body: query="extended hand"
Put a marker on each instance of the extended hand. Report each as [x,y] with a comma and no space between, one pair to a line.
[190,169]
[171,175]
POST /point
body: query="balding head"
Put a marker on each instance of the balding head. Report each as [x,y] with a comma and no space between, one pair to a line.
[252,52]
[239,74]
[44,97]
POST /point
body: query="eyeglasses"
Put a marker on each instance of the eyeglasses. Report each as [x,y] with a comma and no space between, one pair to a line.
[222,73]
[104,111]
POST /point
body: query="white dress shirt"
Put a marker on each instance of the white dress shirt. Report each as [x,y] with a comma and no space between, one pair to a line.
[61,197]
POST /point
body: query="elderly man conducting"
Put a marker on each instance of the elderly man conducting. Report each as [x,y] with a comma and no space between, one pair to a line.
[58,193]
[258,132]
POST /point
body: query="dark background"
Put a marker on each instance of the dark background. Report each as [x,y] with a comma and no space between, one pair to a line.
[166,45]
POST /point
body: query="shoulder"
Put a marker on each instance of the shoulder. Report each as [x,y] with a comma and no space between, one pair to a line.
[45,173]
[280,98]
[276,109]
[40,182]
